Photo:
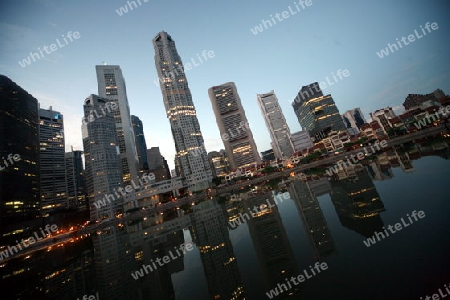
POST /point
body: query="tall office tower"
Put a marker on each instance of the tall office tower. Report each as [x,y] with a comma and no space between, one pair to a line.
[102,163]
[111,85]
[19,181]
[313,219]
[233,126]
[317,113]
[157,164]
[139,138]
[353,119]
[181,113]
[76,191]
[52,165]
[276,124]
[210,233]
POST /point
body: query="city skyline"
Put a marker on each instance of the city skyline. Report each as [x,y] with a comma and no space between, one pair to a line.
[372,84]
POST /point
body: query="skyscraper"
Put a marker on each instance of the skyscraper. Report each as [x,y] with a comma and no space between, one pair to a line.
[101,156]
[139,138]
[233,126]
[353,119]
[317,113]
[180,109]
[157,164]
[76,191]
[276,124]
[19,182]
[52,165]
[111,85]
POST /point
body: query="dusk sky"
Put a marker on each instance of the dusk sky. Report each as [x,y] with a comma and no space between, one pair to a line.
[304,47]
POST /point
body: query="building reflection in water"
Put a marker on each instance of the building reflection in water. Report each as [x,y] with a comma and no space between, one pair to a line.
[272,247]
[62,272]
[358,204]
[209,232]
[304,196]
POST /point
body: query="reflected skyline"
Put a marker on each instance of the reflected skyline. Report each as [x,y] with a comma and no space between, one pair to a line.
[104,261]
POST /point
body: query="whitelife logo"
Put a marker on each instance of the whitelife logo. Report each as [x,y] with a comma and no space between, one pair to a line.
[31,240]
[146,178]
[280,17]
[124,9]
[359,156]
[411,38]
[398,227]
[297,280]
[161,261]
[91,297]
[11,157]
[35,56]
[436,296]
[444,111]
[93,114]
[258,209]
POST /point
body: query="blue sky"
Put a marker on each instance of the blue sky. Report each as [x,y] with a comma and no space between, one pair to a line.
[306,47]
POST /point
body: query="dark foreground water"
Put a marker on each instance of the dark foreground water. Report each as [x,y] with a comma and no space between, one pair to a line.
[325,221]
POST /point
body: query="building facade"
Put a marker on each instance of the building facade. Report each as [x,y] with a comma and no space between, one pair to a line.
[219,163]
[233,126]
[382,117]
[267,155]
[276,124]
[353,119]
[316,113]
[103,174]
[301,140]
[157,164]
[111,86]
[413,100]
[19,182]
[181,113]
[76,191]
[139,138]
[52,163]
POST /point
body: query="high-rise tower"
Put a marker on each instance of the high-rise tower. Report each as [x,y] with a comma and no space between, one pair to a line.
[139,138]
[189,144]
[317,113]
[52,163]
[276,124]
[76,191]
[19,180]
[233,126]
[102,172]
[111,85]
